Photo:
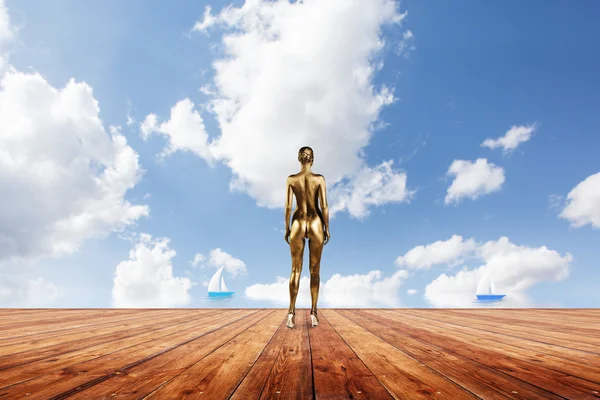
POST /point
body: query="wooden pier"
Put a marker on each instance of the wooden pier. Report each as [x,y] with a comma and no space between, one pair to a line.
[250,354]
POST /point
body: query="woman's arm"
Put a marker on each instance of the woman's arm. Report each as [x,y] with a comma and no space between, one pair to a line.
[288,209]
[324,207]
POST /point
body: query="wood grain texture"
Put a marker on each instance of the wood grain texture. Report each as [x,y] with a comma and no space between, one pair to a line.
[283,370]
[563,384]
[403,376]
[481,380]
[251,354]
[338,372]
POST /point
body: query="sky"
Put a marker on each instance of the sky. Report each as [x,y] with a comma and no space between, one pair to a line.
[145,144]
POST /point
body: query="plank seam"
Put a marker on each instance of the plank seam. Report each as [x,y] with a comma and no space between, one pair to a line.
[125,318]
[272,366]
[180,321]
[475,361]
[97,357]
[312,370]
[508,335]
[101,379]
[206,355]
[361,360]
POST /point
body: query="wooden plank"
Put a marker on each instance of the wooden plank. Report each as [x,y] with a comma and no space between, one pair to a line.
[77,352]
[217,375]
[479,379]
[402,375]
[338,372]
[508,336]
[517,334]
[44,339]
[564,318]
[515,348]
[501,319]
[50,318]
[138,380]
[562,384]
[19,331]
[81,340]
[78,377]
[13,314]
[283,369]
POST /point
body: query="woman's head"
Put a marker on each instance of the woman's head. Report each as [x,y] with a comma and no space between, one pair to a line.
[306,155]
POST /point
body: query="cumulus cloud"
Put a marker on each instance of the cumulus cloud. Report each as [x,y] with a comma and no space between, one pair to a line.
[64,178]
[513,268]
[473,179]
[450,251]
[218,258]
[583,203]
[184,131]
[296,74]
[370,186]
[22,291]
[359,290]
[6,32]
[513,138]
[146,279]
[411,292]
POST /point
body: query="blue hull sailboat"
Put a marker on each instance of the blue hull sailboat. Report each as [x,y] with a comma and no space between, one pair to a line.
[216,286]
[489,297]
[486,290]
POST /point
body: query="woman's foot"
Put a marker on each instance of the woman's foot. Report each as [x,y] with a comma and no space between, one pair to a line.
[290,321]
[314,320]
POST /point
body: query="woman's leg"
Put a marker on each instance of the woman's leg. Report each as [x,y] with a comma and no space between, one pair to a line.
[315,246]
[297,251]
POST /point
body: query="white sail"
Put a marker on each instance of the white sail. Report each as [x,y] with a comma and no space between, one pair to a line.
[484,284]
[223,287]
[492,287]
[213,285]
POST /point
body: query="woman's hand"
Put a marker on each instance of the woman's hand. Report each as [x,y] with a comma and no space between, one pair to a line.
[287,236]
[327,236]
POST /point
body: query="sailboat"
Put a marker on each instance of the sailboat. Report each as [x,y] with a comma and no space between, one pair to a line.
[486,290]
[216,286]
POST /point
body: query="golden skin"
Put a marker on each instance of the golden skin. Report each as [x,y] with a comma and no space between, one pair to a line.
[308,222]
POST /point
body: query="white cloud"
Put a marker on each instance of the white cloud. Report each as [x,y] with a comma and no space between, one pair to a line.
[198,260]
[411,292]
[208,20]
[270,97]
[370,186]
[555,202]
[357,290]
[583,203]
[146,279]
[513,138]
[184,131]
[449,251]
[7,35]
[473,179]
[218,258]
[406,45]
[6,32]
[513,268]
[64,178]
[21,291]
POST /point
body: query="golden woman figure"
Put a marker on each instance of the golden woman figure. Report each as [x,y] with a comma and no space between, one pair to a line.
[308,222]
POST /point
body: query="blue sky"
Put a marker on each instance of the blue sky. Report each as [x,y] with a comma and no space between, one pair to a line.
[305,74]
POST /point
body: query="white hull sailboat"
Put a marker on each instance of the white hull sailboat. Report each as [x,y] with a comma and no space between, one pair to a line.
[216,286]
